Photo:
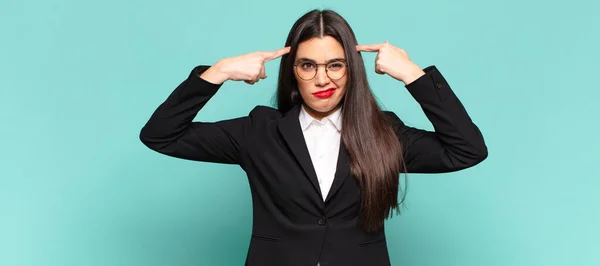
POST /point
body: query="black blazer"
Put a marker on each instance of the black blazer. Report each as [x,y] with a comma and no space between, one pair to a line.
[292,225]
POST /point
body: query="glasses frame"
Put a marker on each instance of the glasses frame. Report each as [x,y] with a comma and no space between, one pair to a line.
[317,69]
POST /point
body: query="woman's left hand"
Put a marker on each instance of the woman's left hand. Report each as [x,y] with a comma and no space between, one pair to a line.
[393,61]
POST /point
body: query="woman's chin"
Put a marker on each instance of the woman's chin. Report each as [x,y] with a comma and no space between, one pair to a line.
[323,108]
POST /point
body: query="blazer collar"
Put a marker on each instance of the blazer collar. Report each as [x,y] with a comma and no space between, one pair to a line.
[306,119]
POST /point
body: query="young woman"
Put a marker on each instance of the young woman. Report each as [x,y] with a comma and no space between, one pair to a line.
[324,165]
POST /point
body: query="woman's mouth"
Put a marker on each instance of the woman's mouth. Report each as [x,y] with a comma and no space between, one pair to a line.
[324,93]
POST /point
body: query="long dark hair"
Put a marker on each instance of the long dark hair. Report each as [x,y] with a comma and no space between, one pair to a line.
[367,134]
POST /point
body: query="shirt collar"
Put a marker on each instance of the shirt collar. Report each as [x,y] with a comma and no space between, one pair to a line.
[306,119]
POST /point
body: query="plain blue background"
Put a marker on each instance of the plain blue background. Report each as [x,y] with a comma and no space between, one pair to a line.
[78,80]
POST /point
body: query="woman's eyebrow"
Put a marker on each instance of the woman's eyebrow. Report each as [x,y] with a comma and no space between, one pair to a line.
[304,59]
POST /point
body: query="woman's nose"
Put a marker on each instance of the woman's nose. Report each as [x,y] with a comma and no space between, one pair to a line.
[321,79]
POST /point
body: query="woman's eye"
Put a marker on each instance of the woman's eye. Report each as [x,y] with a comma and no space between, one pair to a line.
[335,66]
[307,66]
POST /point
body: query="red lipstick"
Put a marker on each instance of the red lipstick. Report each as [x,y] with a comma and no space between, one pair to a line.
[324,94]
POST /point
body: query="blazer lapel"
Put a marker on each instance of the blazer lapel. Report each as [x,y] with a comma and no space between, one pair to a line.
[341,173]
[290,129]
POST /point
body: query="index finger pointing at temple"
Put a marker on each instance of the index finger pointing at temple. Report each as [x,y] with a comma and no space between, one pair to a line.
[369,47]
[275,54]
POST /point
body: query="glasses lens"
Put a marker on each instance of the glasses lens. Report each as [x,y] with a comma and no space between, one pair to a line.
[336,70]
[306,70]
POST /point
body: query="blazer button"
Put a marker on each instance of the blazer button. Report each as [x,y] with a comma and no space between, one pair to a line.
[439,86]
[322,221]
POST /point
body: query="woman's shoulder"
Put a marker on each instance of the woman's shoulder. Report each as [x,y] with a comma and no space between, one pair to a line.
[262,112]
[393,118]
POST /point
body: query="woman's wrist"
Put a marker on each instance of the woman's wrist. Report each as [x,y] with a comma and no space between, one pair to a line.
[214,74]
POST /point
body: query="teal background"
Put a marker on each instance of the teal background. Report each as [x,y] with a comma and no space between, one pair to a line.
[78,80]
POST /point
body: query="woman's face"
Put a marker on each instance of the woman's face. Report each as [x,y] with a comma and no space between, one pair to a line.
[321,51]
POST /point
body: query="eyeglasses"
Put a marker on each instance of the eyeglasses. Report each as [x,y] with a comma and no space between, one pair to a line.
[307,70]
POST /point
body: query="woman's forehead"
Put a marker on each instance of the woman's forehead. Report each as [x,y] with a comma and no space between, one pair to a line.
[320,49]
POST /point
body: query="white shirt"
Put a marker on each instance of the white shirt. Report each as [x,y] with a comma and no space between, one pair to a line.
[323,142]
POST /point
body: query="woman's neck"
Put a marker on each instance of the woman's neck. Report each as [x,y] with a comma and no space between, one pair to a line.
[319,115]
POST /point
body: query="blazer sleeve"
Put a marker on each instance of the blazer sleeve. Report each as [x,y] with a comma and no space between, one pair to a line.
[457,142]
[170,129]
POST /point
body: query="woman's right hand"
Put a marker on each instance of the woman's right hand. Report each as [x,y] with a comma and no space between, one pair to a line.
[249,67]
